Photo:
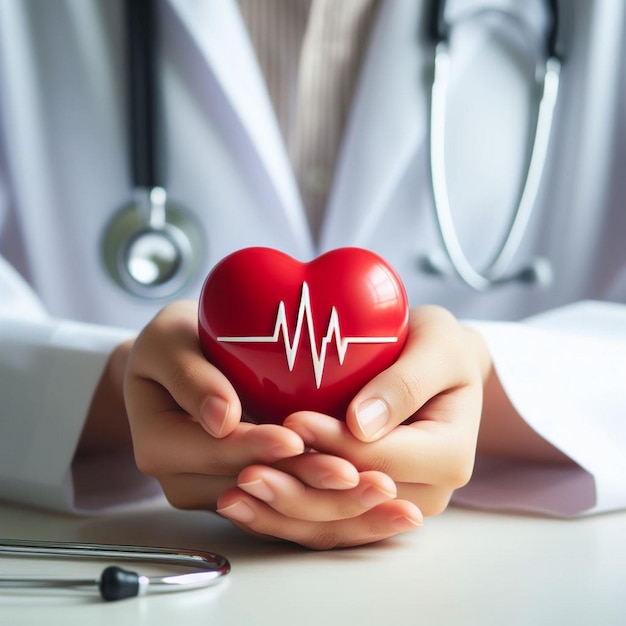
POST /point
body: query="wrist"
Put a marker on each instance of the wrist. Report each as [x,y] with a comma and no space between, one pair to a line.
[479,348]
[106,427]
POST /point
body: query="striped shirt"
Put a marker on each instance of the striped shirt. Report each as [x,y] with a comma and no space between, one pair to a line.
[310,53]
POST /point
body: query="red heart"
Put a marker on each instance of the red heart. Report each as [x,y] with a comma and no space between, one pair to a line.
[292,336]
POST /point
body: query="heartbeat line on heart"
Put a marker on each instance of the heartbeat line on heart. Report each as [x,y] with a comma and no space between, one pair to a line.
[281,328]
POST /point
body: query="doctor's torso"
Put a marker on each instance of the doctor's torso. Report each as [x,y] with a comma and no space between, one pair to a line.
[65,168]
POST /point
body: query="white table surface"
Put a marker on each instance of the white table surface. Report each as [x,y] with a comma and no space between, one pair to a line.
[463,567]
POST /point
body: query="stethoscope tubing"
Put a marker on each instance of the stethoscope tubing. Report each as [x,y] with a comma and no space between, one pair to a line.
[115,583]
[143,94]
[495,271]
[480,281]
[152,248]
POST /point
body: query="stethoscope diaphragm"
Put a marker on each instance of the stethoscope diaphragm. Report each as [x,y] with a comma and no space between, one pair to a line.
[151,248]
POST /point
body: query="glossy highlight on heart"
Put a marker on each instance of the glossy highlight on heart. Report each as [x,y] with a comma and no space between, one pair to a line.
[301,336]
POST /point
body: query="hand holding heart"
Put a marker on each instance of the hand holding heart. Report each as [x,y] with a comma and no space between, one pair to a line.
[408,439]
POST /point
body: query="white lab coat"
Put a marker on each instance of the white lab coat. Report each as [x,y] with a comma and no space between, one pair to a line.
[64,172]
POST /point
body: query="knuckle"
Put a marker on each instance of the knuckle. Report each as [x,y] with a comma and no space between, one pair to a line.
[437,503]
[381,462]
[173,320]
[154,329]
[411,391]
[437,314]
[460,472]
[185,494]
[461,477]
[179,379]
[146,463]
[324,539]
[408,391]
[178,501]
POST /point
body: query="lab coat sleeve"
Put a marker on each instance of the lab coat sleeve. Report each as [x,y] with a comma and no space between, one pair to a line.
[48,371]
[565,373]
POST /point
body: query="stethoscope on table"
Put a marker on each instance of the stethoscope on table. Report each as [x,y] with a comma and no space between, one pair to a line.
[153,248]
[115,583]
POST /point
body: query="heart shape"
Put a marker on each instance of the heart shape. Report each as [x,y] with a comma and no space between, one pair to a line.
[293,336]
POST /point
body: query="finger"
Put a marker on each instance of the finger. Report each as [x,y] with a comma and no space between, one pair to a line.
[195,491]
[426,451]
[430,363]
[381,522]
[431,499]
[294,499]
[321,471]
[167,442]
[167,351]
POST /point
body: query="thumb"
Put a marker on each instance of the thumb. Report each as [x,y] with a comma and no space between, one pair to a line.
[424,369]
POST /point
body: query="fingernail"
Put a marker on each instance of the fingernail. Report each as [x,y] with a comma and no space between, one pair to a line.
[372,416]
[239,511]
[305,434]
[285,450]
[214,412]
[333,481]
[407,523]
[373,496]
[259,489]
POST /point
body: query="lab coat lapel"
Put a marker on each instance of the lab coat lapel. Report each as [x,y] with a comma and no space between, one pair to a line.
[218,31]
[387,124]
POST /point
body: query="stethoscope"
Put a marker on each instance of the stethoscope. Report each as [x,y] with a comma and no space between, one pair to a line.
[153,248]
[115,583]
[455,261]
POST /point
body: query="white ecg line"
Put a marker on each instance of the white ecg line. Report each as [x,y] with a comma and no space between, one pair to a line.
[291,350]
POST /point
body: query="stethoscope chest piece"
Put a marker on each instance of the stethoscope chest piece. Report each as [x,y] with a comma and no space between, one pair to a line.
[152,248]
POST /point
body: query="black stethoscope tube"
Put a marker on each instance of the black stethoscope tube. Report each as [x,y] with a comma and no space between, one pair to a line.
[143,93]
[151,247]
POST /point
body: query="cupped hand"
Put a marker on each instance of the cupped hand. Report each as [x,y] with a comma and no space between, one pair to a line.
[185,416]
[409,440]
[318,501]
[418,421]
